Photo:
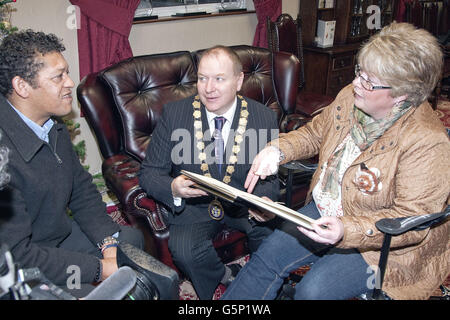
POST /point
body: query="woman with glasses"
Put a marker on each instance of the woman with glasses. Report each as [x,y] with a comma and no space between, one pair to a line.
[383,153]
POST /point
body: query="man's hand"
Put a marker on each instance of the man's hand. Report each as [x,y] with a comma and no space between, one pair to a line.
[181,187]
[261,215]
[327,230]
[265,164]
[109,262]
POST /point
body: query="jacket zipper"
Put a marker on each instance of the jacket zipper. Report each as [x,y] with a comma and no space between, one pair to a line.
[57,157]
[54,150]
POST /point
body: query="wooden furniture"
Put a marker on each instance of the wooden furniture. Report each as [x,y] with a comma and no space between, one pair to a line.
[432,15]
[445,74]
[354,22]
[285,34]
[328,70]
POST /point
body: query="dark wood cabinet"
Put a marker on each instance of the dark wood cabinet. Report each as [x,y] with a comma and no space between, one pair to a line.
[328,70]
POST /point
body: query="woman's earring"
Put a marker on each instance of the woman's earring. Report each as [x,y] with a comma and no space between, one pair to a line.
[397,106]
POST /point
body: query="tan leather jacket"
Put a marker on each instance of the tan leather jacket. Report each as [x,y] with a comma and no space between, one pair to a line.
[413,157]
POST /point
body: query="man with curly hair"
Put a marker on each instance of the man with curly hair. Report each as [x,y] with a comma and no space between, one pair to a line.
[46,177]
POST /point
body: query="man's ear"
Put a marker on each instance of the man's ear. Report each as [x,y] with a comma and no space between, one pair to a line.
[240,81]
[21,87]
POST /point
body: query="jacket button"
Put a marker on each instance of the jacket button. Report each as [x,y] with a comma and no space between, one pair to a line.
[338,127]
[338,117]
[338,108]
[369,232]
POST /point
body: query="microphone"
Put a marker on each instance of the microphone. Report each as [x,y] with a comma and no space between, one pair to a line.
[115,287]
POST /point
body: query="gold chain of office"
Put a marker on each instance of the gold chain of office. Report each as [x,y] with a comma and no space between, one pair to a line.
[215,208]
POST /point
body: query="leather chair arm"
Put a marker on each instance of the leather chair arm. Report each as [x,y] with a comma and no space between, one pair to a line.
[293,122]
[310,104]
[286,68]
[120,174]
[154,212]
[96,103]
[396,226]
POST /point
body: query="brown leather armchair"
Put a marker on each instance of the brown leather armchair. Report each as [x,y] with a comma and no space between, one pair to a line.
[123,103]
[285,34]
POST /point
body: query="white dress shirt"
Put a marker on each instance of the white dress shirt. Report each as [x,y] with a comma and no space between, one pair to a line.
[229,115]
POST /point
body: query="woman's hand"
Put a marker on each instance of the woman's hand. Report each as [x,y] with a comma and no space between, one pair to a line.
[181,187]
[327,230]
[261,215]
[265,164]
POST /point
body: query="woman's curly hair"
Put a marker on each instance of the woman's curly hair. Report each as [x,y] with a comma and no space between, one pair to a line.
[18,56]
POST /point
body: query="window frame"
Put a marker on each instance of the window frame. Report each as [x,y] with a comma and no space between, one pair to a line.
[206,7]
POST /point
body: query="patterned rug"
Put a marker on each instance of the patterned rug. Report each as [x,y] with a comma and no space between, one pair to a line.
[186,289]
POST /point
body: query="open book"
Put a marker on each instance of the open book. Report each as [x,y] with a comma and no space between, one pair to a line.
[236,196]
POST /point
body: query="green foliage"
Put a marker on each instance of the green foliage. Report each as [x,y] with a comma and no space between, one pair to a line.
[5,16]
[80,149]
[6,29]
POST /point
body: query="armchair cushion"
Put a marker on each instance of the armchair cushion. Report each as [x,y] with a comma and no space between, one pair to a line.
[140,87]
[310,103]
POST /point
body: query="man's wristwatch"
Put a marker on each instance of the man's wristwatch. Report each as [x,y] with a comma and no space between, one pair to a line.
[108,242]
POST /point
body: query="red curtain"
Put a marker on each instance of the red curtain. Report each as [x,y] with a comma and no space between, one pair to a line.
[401,10]
[264,9]
[103,34]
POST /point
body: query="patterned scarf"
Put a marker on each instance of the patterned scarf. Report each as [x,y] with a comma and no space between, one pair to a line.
[364,131]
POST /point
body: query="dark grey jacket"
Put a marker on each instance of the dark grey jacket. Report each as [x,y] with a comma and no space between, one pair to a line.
[46,179]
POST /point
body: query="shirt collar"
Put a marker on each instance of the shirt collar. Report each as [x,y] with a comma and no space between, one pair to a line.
[229,115]
[41,132]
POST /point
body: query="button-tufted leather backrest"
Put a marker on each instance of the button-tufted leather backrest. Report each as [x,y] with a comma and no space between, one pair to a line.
[136,89]
[285,34]
[140,87]
[258,80]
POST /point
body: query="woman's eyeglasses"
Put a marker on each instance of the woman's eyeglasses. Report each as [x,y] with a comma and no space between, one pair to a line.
[366,84]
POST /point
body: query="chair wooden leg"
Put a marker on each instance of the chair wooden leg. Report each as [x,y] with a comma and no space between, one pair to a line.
[289,188]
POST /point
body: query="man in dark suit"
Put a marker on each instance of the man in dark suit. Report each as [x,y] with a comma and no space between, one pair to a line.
[191,136]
